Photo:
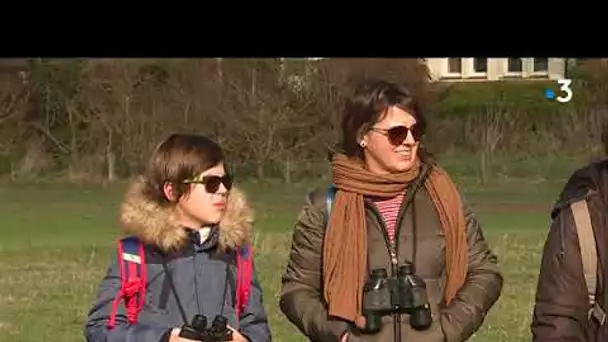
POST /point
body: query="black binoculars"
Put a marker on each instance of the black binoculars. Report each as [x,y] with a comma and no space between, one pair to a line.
[198,331]
[403,294]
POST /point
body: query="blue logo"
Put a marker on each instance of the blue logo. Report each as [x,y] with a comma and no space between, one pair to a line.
[550,94]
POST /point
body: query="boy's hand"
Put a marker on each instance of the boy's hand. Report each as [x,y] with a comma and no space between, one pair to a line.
[237,336]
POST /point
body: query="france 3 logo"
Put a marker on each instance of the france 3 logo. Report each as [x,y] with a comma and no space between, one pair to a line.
[566,91]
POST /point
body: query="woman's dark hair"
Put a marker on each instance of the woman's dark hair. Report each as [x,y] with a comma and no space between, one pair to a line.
[368,104]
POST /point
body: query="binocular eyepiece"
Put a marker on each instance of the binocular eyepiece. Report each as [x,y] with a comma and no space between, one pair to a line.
[403,294]
[197,330]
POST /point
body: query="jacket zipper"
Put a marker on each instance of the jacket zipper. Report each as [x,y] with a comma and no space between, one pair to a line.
[400,217]
[411,191]
[393,248]
[387,241]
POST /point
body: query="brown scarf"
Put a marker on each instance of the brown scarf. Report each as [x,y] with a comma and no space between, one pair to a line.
[345,251]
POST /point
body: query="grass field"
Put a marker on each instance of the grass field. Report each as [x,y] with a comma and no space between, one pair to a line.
[56,240]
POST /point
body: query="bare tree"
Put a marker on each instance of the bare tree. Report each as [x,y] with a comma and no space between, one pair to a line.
[487,129]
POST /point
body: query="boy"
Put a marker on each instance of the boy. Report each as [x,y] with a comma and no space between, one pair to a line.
[191,223]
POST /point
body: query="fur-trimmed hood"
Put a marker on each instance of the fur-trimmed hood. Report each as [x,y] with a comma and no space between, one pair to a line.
[155,225]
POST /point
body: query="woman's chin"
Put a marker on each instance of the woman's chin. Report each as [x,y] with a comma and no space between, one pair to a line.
[403,165]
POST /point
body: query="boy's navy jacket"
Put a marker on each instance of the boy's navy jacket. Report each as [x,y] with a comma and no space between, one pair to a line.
[203,273]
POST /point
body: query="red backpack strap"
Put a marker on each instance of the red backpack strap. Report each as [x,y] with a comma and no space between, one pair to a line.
[132,261]
[244,262]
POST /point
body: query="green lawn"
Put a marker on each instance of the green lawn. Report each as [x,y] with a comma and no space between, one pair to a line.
[56,240]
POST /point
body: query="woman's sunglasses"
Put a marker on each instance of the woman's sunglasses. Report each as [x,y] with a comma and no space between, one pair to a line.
[396,135]
[212,183]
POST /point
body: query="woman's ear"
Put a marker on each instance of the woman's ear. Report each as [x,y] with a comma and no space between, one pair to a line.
[169,191]
[362,140]
[362,136]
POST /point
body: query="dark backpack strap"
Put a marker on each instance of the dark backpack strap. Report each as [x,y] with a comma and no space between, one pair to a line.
[133,274]
[244,269]
[329,201]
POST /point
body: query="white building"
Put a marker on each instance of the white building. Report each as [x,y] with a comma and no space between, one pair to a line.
[495,69]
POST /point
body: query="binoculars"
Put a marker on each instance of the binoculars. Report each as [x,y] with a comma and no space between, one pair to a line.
[197,330]
[403,294]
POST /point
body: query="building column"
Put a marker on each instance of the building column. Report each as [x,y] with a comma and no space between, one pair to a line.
[556,68]
[495,68]
[527,67]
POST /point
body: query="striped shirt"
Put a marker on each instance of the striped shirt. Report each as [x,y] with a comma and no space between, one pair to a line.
[389,209]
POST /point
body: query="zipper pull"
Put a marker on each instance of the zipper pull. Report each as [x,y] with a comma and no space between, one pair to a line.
[394,258]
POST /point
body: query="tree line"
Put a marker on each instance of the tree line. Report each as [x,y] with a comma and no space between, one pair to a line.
[100,118]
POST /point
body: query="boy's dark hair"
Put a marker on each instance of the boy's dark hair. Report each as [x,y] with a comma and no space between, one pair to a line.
[178,158]
[368,104]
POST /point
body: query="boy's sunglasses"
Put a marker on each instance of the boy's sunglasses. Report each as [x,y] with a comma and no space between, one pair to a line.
[396,135]
[212,183]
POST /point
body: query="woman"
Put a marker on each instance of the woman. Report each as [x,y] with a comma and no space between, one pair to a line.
[392,206]
[191,222]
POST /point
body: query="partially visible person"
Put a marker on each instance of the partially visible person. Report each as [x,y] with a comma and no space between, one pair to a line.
[572,290]
[393,205]
[191,221]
